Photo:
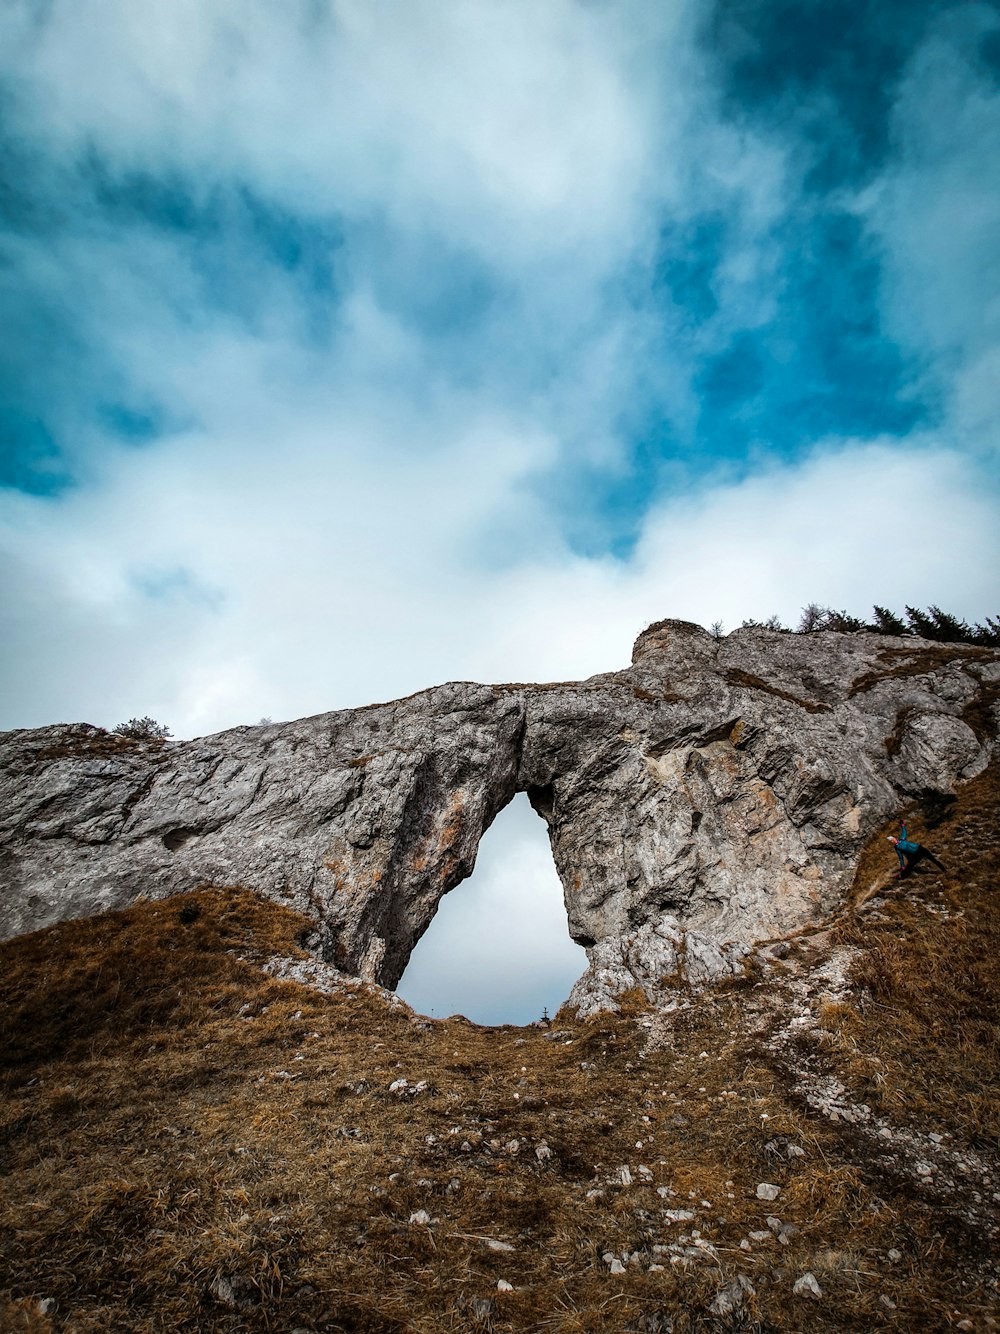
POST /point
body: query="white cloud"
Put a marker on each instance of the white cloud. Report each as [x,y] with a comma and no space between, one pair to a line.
[316,582]
[847,527]
[523,126]
[936,212]
[538,144]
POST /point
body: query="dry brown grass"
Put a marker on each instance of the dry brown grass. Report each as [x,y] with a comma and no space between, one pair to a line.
[738,677]
[980,713]
[900,662]
[173,1118]
[928,976]
[81,740]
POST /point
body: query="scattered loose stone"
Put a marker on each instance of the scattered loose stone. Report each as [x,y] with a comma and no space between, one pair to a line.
[656,1322]
[420,1219]
[731,1297]
[492,1244]
[806,1286]
[765,1191]
[403,1088]
[504,1286]
[233,1290]
[894,1255]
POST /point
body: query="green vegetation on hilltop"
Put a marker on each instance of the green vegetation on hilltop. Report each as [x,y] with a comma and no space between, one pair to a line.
[933,624]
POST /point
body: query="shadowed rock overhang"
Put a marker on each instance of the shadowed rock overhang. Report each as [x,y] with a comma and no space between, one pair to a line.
[714,794]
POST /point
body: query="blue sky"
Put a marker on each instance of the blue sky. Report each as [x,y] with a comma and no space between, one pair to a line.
[352,347]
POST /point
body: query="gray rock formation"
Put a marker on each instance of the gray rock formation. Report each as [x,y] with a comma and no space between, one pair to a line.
[713,795]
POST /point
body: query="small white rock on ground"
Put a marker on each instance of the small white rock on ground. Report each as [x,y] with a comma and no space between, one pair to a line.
[806,1286]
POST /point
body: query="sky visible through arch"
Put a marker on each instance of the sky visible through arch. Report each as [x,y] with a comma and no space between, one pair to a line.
[354,346]
[499,950]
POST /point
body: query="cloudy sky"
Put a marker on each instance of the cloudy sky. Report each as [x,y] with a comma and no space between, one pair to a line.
[352,346]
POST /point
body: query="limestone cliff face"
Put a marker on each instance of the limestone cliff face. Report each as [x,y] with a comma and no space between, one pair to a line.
[712,795]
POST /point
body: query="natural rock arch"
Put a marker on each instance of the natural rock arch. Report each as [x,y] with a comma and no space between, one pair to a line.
[721,789]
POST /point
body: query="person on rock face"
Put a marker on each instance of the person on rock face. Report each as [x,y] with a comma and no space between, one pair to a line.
[910,854]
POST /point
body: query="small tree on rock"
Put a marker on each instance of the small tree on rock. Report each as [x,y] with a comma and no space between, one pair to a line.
[843,621]
[949,629]
[988,634]
[142,729]
[887,622]
[812,618]
[920,623]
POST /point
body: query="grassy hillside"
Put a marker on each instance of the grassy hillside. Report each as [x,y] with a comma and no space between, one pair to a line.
[187,1143]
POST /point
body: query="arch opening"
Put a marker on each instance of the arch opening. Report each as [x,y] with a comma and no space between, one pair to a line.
[498,950]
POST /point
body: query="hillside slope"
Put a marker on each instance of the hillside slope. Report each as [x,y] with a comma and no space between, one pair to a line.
[191,1143]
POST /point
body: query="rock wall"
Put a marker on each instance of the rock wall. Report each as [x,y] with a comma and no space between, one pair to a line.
[714,794]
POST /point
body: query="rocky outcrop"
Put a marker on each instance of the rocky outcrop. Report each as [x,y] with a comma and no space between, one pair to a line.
[714,794]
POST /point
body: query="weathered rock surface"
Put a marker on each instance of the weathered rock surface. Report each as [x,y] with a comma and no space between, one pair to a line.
[713,795]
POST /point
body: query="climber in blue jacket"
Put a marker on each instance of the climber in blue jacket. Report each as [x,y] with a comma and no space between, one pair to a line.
[910,854]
